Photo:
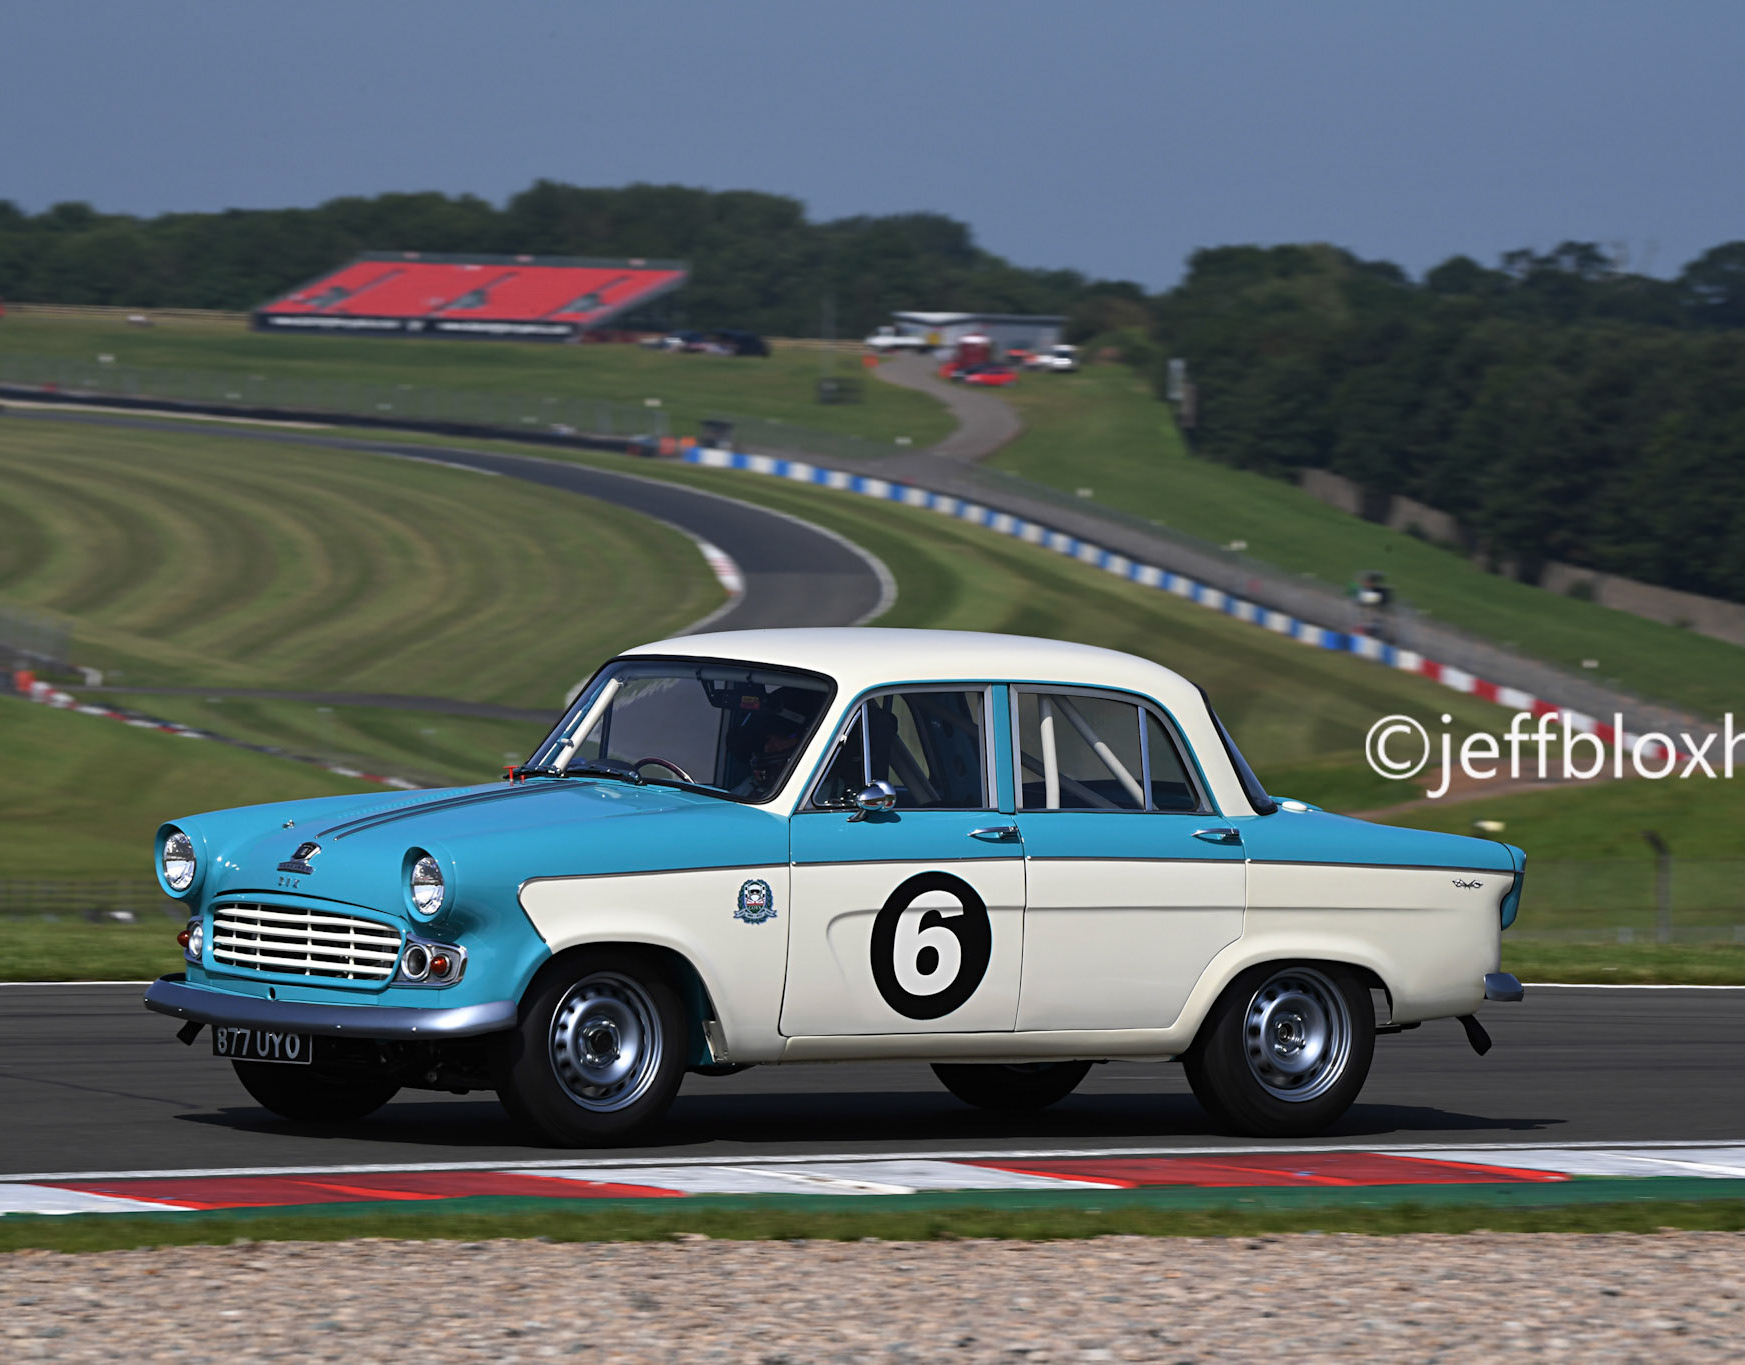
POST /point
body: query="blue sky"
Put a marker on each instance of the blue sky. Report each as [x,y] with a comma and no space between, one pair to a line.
[1115,136]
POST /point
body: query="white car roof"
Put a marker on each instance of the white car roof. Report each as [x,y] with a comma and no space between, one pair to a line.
[860,658]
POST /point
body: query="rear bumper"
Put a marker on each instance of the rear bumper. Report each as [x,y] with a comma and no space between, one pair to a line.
[1502,986]
[174,996]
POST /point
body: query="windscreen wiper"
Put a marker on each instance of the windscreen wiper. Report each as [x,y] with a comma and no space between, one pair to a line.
[581,767]
[702,787]
[605,767]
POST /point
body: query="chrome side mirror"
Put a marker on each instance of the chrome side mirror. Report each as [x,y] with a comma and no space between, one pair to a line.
[872,798]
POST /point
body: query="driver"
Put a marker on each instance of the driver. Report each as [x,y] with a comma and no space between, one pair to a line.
[768,738]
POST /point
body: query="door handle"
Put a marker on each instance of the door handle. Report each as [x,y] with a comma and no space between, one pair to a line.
[1222,835]
[995,832]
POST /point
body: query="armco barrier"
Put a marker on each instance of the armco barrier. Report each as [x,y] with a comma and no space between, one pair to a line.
[1152,576]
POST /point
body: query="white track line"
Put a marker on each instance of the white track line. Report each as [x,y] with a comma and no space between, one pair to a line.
[571,1163]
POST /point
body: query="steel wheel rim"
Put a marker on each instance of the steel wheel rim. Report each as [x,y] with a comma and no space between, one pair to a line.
[1296,1035]
[605,1043]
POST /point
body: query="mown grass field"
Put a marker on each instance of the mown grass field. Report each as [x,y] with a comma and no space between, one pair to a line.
[689,388]
[204,561]
[1103,429]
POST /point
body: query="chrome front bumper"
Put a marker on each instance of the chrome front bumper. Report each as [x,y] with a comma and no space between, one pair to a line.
[172,995]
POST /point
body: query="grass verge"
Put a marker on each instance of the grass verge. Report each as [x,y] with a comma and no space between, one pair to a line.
[1581,1207]
[81,797]
[1105,430]
[1632,964]
[78,950]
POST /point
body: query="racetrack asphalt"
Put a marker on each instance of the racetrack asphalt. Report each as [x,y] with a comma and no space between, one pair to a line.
[89,1081]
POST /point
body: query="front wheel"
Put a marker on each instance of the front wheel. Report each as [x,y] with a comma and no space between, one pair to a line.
[314,1094]
[1285,1050]
[599,1053]
[1011,1086]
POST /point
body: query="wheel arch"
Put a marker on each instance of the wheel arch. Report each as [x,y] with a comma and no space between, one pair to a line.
[1229,967]
[682,974]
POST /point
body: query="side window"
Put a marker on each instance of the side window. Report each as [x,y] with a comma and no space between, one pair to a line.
[930,746]
[1086,753]
[1079,753]
[1171,788]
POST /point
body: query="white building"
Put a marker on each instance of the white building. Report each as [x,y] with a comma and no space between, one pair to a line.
[1006,330]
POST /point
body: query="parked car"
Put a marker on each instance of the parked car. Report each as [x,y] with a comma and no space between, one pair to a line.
[989,376]
[1008,857]
[740,342]
[890,340]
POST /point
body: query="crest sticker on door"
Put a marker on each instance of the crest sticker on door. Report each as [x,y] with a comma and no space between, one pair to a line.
[931,945]
[757,902]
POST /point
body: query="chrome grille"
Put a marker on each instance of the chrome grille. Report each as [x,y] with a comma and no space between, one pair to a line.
[278,938]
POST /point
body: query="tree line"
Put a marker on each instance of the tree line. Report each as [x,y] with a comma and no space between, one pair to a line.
[1559,404]
[757,261]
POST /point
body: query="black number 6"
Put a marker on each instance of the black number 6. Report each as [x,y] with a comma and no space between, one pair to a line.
[927,960]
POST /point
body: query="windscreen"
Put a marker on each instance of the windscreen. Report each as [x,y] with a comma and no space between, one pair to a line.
[734,729]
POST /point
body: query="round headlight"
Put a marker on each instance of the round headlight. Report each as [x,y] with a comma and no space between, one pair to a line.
[427,888]
[178,861]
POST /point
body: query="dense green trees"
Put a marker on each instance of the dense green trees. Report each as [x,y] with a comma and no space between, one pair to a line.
[1561,407]
[757,261]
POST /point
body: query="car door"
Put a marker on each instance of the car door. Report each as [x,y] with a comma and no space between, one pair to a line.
[909,920]
[1134,883]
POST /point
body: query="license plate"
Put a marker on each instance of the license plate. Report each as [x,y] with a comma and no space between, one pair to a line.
[261,1045]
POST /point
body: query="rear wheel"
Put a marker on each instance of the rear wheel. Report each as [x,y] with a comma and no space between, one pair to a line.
[599,1053]
[314,1094]
[1285,1050]
[1011,1086]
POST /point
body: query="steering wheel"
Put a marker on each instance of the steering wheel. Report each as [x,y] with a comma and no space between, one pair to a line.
[668,764]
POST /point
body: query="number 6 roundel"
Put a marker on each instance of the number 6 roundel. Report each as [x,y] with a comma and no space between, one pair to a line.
[930,946]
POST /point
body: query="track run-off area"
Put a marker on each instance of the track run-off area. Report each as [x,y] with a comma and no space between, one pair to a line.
[1586,1086]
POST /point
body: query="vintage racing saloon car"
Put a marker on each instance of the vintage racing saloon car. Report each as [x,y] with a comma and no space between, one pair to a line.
[1009,857]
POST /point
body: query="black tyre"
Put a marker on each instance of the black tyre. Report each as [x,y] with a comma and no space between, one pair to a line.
[1014,1086]
[599,1053]
[314,1094]
[1285,1050]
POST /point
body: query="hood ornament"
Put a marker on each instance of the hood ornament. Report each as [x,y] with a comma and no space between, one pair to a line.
[298,862]
[289,824]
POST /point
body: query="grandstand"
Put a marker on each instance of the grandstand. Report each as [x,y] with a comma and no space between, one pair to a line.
[521,298]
